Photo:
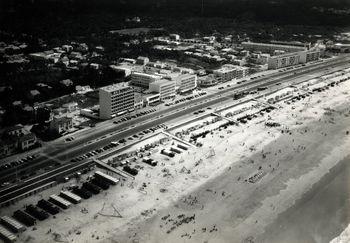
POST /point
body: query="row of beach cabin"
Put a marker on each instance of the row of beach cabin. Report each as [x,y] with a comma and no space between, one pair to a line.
[10,226]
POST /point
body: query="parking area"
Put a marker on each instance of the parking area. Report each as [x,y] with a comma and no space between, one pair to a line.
[119,143]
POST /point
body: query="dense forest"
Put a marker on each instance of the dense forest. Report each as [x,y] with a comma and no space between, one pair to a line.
[309,12]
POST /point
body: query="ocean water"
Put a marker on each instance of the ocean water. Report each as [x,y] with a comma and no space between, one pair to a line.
[321,215]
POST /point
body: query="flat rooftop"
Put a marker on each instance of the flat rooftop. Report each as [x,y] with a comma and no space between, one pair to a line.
[146,75]
[114,87]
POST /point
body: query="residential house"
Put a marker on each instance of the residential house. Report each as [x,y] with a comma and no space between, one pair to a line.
[61,125]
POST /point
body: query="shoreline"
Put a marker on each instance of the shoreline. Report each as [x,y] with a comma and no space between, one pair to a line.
[215,202]
[309,195]
[304,196]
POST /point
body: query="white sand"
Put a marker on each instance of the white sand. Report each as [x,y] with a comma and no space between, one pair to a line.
[226,207]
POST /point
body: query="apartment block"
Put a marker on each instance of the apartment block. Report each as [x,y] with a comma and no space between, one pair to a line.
[283,61]
[186,82]
[165,88]
[143,80]
[116,99]
[270,48]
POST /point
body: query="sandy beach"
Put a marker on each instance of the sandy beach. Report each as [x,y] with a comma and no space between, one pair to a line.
[243,185]
[228,209]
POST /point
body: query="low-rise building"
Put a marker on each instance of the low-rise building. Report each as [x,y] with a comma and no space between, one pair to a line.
[59,125]
[17,130]
[207,81]
[183,70]
[27,141]
[164,87]
[70,107]
[174,37]
[116,99]
[33,94]
[142,60]
[126,71]
[127,60]
[66,82]
[16,139]
[279,95]
[225,73]
[83,89]
[8,146]
[151,98]
[93,112]
[158,67]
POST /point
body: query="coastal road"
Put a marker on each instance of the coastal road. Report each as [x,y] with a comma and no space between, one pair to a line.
[64,152]
[23,187]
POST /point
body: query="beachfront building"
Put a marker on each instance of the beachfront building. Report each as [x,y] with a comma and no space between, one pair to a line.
[186,82]
[283,61]
[165,88]
[291,59]
[151,98]
[225,73]
[116,99]
[270,48]
[241,72]
[143,80]
[207,81]
[309,56]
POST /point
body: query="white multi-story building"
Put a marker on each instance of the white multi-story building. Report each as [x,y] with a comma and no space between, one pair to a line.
[165,88]
[121,69]
[183,70]
[225,73]
[270,48]
[309,56]
[241,72]
[116,99]
[292,59]
[207,81]
[186,82]
[143,80]
[283,61]
[158,67]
